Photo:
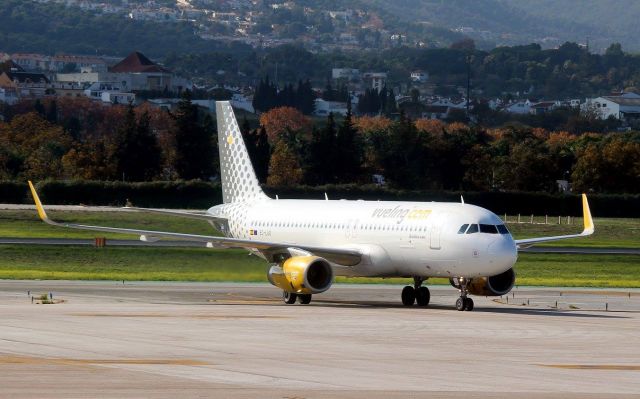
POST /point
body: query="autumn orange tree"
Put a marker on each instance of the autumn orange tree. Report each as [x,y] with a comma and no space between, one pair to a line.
[279,121]
[32,148]
[284,168]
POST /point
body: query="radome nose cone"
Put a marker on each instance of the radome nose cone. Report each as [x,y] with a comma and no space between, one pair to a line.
[504,252]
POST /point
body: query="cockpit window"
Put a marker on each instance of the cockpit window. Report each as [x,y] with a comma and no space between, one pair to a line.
[463,228]
[472,229]
[488,228]
[503,229]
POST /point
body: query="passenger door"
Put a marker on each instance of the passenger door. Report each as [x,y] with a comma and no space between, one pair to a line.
[435,231]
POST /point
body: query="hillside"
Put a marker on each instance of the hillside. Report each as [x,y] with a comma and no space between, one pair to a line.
[509,22]
[50,28]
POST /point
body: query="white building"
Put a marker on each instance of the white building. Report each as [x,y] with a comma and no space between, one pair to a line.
[520,107]
[345,73]
[419,76]
[622,106]
[378,80]
[117,97]
[8,96]
[324,108]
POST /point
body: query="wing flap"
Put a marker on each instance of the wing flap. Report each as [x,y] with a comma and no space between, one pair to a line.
[589,229]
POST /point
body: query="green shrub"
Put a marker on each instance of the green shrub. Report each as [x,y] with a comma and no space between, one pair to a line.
[201,195]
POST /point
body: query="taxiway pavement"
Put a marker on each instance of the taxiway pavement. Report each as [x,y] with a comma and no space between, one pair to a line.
[184,340]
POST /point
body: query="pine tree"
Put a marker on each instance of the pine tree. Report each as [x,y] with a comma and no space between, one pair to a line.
[194,143]
[124,149]
[146,146]
[38,107]
[348,158]
[52,112]
[263,156]
[322,154]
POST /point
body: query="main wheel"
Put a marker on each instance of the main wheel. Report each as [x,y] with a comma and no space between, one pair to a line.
[289,297]
[423,296]
[468,304]
[460,304]
[408,296]
[305,299]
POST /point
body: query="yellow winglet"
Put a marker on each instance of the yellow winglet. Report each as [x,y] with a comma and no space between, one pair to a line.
[41,212]
[589,227]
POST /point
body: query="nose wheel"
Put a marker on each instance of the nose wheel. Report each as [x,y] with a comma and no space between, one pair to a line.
[417,294]
[464,302]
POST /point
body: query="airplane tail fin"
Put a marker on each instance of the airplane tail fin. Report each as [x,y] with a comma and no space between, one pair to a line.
[239,181]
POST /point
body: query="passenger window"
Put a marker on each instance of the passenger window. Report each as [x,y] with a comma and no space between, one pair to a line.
[472,229]
[463,228]
[503,229]
[488,228]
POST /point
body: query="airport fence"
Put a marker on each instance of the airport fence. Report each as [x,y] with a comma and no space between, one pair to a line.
[201,195]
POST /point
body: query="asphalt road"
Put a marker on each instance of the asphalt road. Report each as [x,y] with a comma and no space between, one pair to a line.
[197,340]
[137,243]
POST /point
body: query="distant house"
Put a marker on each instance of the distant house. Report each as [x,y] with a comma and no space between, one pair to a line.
[109,92]
[144,73]
[520,107]
[541,108]
[621,106]
[16,81]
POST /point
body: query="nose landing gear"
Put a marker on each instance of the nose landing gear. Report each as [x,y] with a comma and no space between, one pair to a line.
[464,302]
[417,294]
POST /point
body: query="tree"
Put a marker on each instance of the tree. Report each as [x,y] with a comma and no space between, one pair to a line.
[284,168]
[146,144]
[322,158]
[279,121]
[348,150]
[32,148]
[125,151]
[262,156]
[193,142]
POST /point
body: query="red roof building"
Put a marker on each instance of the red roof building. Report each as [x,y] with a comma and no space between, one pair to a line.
[138,63]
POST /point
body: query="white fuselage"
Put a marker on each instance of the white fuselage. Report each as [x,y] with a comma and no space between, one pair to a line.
[398,238]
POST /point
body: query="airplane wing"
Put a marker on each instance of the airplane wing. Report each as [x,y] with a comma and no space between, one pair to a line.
[341,256]
[589,228]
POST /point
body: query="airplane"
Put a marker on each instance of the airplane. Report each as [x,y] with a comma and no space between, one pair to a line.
[309,242]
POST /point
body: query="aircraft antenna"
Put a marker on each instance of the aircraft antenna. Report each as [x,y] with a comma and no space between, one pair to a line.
[462,199]
[326,197]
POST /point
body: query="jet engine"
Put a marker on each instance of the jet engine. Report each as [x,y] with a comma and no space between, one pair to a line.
[302,275]
[497,285]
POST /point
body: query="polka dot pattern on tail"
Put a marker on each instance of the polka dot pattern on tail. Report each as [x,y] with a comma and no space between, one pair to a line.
[239,181]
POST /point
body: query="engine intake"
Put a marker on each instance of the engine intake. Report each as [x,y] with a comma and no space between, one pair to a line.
[302,275]
[497,285]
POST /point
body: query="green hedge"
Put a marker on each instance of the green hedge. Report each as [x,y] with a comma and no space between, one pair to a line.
[12,192]
[201,195]
[179,194]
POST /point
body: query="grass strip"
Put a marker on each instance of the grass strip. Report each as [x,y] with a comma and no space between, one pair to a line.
[202,264]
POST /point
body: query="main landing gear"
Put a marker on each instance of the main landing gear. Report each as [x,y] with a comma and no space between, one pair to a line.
[290,298]
[416,294]
[464,302]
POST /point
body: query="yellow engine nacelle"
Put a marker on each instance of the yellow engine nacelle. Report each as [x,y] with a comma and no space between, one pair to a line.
[496,285]
[302,275]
